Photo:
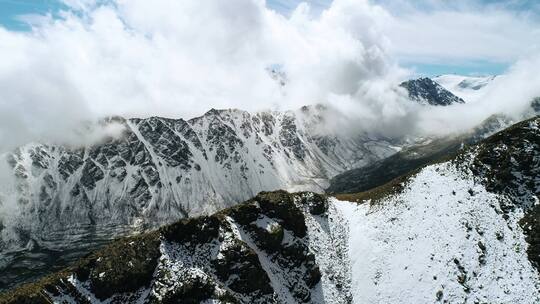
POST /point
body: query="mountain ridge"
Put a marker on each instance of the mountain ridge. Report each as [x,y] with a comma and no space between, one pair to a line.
[164,169]
[485,199]
[428,92]
[410,158]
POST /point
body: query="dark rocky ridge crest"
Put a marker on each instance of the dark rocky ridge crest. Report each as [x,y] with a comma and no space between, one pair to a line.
[509,164]
[426,91]
[120,271]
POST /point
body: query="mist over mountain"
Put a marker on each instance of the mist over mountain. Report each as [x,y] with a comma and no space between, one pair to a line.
[469,88]
[96,59]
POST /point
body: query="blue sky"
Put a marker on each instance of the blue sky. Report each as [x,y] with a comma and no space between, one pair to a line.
[472,68]
[12,10]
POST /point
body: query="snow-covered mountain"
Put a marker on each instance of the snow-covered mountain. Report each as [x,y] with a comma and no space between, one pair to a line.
[468,88]
[428,92]
[161,170]
[72,200]
[463,230]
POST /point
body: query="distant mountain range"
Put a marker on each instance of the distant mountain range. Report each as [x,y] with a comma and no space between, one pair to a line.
[412,157]
[448,89]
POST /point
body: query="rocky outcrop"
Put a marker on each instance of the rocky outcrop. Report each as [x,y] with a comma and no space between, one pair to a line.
[426,91]
[270,249]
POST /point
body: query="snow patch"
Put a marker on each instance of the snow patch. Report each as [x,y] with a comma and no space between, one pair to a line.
[443,238]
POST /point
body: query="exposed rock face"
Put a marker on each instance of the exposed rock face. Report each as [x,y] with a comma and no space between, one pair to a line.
[275,248]
[458,231]
[161,170]
[427,91]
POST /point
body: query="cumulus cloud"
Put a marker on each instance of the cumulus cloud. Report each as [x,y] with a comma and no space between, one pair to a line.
[181,58]
[459,32]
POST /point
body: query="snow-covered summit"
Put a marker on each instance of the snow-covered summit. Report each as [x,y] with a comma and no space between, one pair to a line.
[469,88]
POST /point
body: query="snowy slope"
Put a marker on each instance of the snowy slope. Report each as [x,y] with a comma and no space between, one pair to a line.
[469,88]
[429,243]
[461,231]
[162,170]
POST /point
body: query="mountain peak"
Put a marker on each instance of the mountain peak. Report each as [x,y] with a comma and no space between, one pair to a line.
[426,91]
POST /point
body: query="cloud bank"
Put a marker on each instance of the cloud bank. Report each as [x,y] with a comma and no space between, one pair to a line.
[463,31]
[181,58]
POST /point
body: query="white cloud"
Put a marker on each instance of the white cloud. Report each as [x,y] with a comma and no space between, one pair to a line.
[180,58]
[454,32]
[461,31]
[510,94]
